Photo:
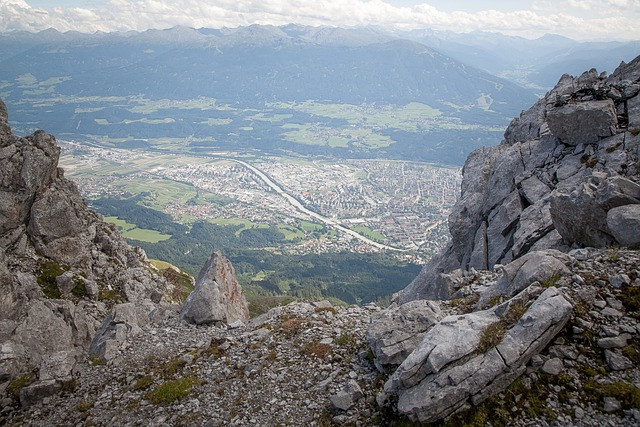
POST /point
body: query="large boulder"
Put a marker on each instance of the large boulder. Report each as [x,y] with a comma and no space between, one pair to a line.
[123,322]
[217,297]
[624,223]
[584,122]
[451,369]
[393,334]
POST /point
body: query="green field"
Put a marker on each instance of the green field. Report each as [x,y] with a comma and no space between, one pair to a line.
[131,231]
[371,234]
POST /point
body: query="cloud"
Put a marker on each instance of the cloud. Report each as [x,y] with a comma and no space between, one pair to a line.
[578,19]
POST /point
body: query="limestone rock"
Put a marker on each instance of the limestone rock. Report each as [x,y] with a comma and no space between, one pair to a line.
[445,373]
[347,396]
[393,334]
[532,267]
[624,224]
[123,322]
[584,122]
[578,217]
[43,332]
[217,297]
[563,164]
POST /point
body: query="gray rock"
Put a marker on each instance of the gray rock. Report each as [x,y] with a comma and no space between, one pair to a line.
[584,122]
[578,217]
[619,280]
[617,191]
[532,267]
[633,110]
[57,366]
[553,366]
[533,190]
[611,404]
[614,342]
[217,297]
[65,283]
[393,334]
[443,374]
[617,362]
[43,332]
[624,223]
[39,390]
[347,396]
[123,322]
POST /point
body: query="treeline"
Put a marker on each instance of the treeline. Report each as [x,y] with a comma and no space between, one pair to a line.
[350,277]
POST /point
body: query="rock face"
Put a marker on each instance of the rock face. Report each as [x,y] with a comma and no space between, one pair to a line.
[217,297]
[450,370]
[60,265]
[565,176]
[395,333]
[563,166]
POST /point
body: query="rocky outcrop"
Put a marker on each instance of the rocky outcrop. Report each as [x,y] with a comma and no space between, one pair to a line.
[565,176]
[61,266]
[217,297]
[395,333]
[563,165]
[453,368]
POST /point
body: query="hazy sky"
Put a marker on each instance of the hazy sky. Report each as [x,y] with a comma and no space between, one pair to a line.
[579,19]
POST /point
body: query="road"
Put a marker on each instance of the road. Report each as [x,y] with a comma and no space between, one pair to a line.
[299,206]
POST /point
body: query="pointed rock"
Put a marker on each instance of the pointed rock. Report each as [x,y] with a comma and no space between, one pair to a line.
[217,297]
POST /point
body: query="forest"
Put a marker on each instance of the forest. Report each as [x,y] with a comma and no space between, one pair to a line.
[351,277]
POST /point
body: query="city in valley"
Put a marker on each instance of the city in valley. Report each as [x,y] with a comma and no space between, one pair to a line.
[319,205]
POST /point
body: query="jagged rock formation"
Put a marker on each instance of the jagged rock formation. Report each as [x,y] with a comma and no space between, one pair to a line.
[217,297]
[61,266]
[565,176]
[562,174]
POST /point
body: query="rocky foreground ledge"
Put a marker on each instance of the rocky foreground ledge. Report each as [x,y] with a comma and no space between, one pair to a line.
[310,363]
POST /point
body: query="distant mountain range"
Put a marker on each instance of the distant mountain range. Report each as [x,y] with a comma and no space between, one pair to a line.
[532,63]
[93,80]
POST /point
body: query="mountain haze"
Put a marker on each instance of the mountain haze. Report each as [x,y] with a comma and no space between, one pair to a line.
[247,68]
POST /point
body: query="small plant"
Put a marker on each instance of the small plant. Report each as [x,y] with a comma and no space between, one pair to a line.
[632,352]
[465,305]
[326,309]
[170,369]
[492,336]
[143,383]
[321,351]
[551,281]
[630,297]
[589,161]
[95,361]
[635,131]
[171,390]
[515,312]
[79,290]
[613,147]
[214,348]
[626,393]
[292,326]
[493,301]
[84,405]
[344,339]
[46,275]
[18,384]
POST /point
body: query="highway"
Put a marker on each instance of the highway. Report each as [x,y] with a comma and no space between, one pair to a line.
[299,206]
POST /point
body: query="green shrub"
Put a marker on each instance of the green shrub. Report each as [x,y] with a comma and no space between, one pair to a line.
[626,393]
[46,275]
[171,391]
[18,384]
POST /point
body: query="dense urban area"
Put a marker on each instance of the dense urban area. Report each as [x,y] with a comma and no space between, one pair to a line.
[396,204]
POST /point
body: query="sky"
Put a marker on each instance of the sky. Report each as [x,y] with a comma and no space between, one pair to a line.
[577,19]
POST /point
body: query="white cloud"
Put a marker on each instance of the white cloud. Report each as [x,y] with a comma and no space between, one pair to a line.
[613,19]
